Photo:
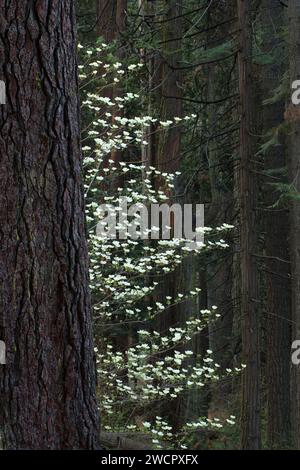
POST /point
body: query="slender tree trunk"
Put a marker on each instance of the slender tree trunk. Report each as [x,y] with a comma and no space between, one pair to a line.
[111,16]
[168,152]
[219,277]
[278,325]
[167,159]
[294,171]
[195,402]
[48,385]
[147,9]
[250,419]
[111,23]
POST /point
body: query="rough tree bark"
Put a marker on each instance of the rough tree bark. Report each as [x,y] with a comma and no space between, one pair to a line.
[48,385]
[250,324]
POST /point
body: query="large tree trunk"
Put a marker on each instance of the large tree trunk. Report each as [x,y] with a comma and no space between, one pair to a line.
[294,170]
[250,324]
[278,327]
[48,385]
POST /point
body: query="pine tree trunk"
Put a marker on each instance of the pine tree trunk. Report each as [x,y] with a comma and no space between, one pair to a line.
[294,171]
[250,324]
[48,385]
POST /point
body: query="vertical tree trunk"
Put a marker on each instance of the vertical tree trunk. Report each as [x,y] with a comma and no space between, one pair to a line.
[167,159]
[278,325]
[48,385]
[111,23]
[250,419]
[147,9]
[219,282]
[111,18]
[294,171]
[168,152]
[195,403]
